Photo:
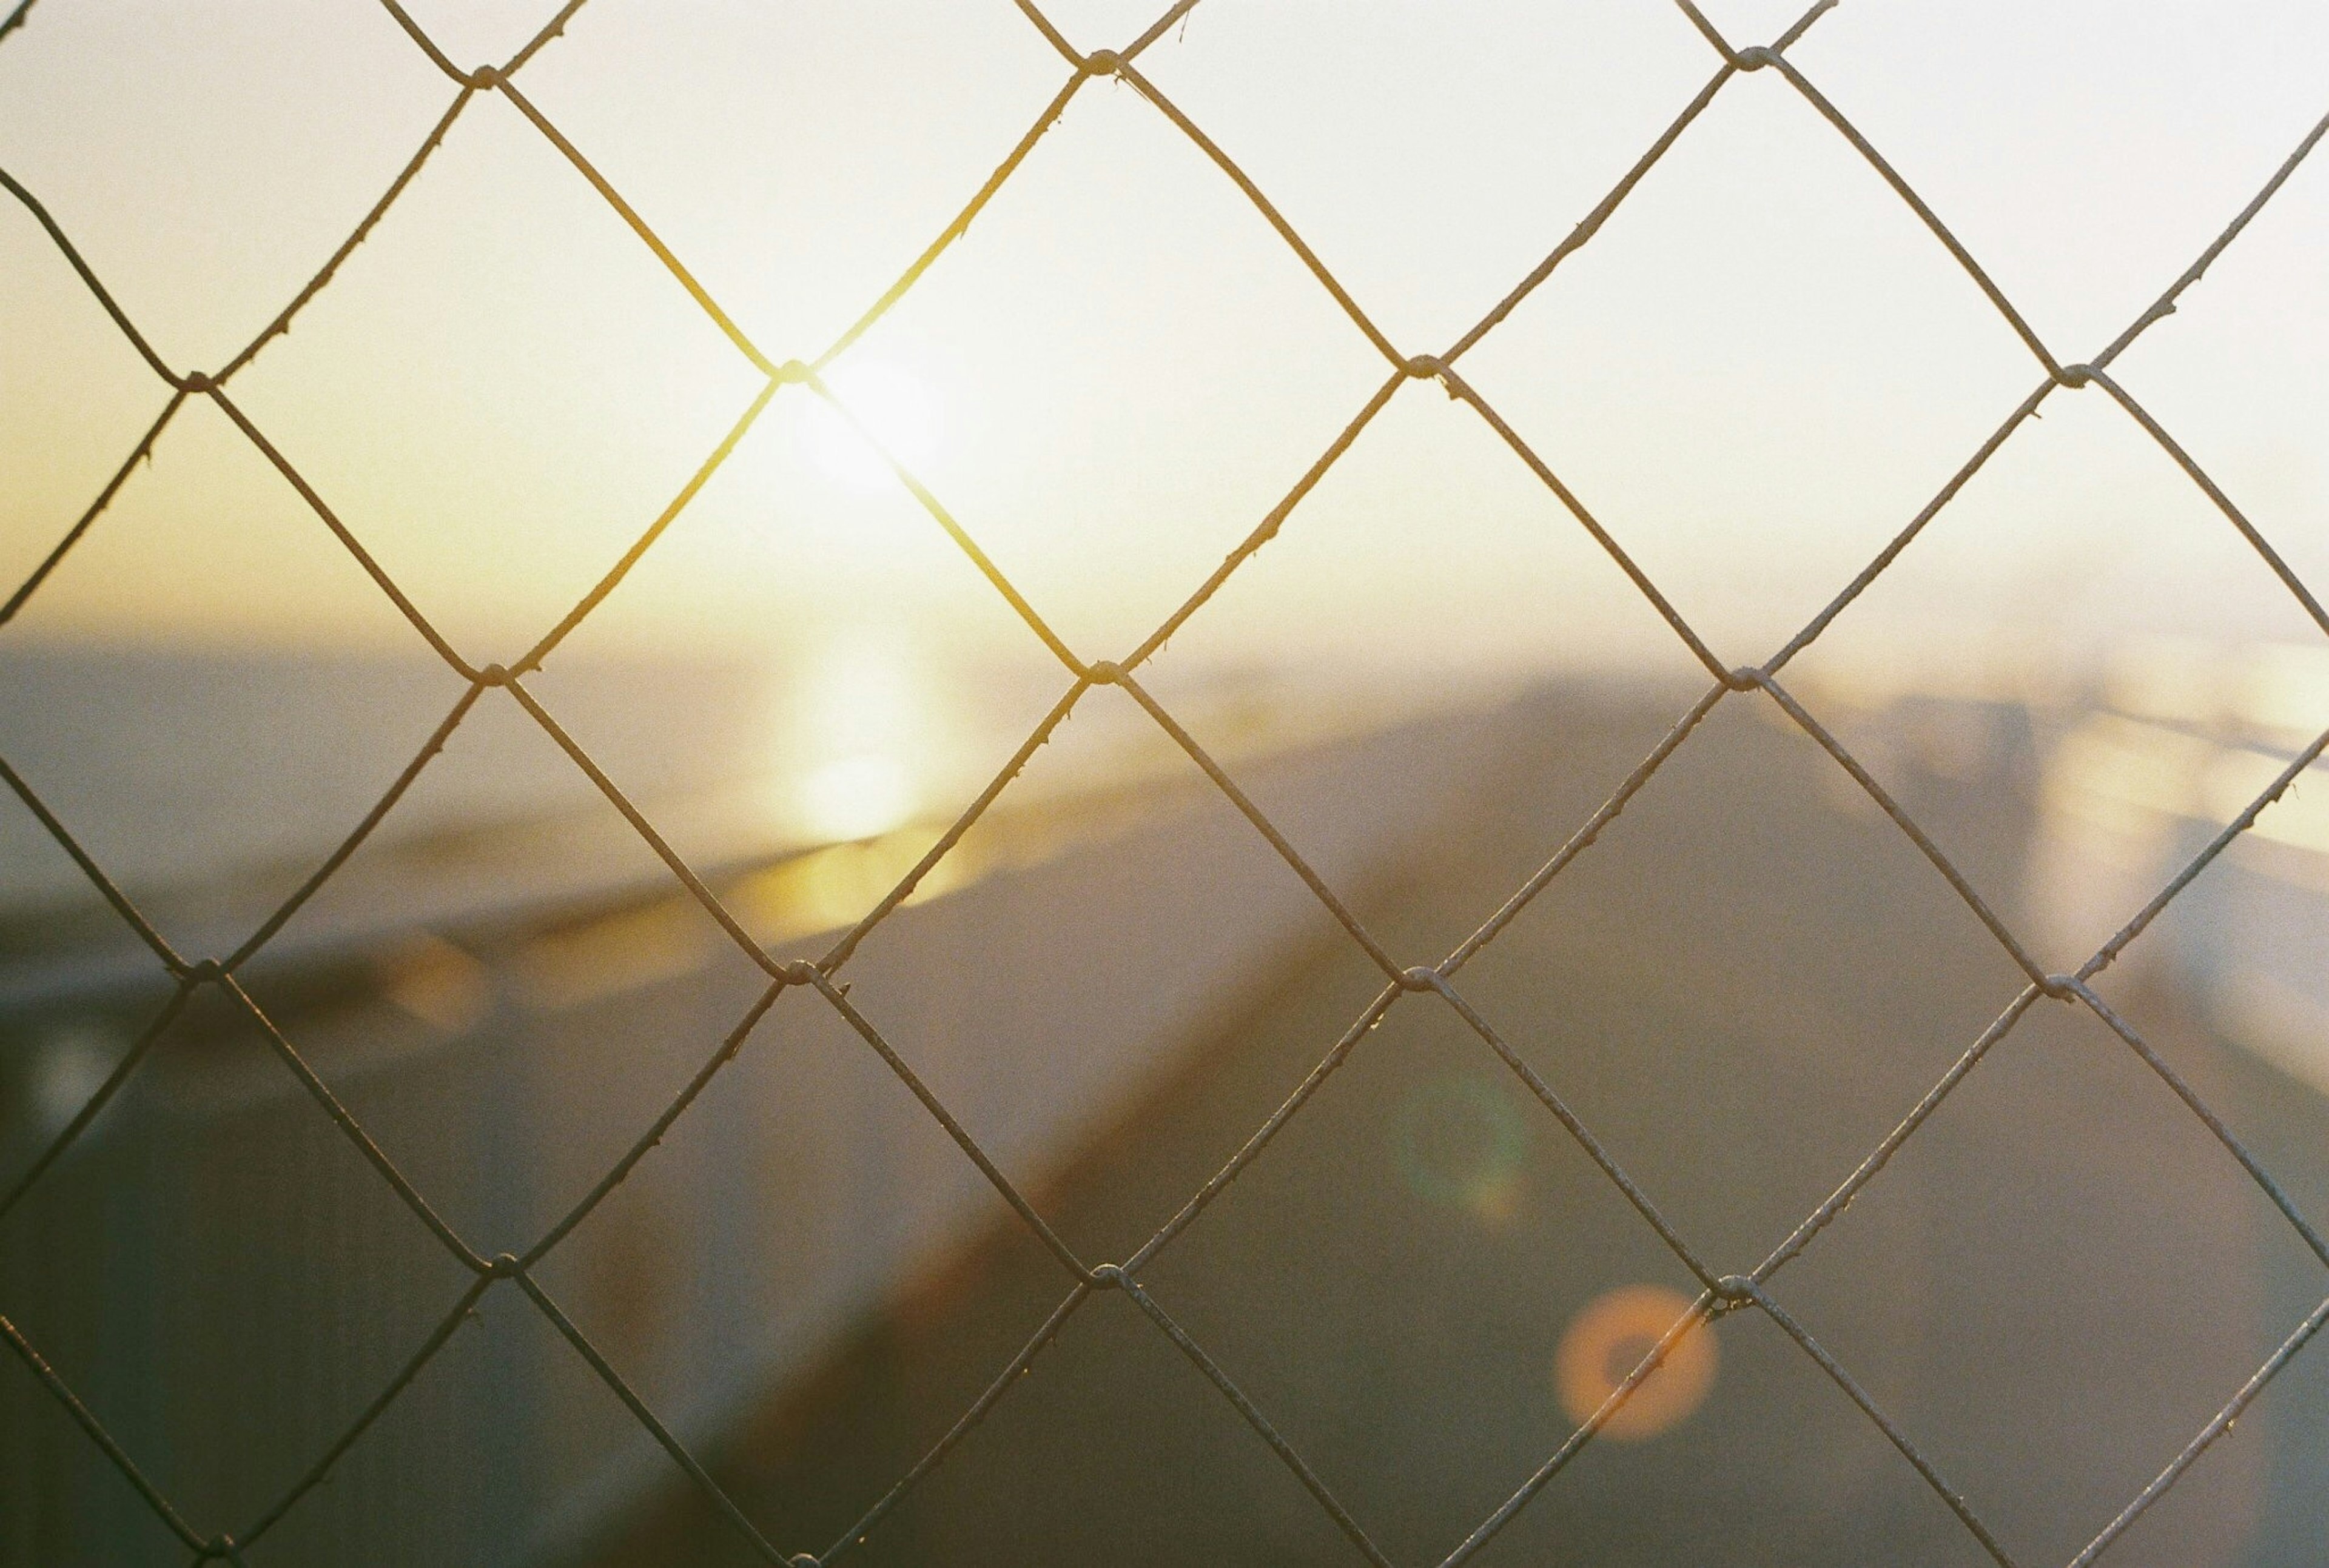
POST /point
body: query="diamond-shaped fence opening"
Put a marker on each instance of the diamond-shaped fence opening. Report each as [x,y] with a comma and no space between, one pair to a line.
[1472,1133]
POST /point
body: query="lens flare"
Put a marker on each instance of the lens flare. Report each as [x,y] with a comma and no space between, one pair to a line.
[1606,1341]
[1461,1142]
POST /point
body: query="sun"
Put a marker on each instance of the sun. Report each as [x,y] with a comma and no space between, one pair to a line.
[894,406]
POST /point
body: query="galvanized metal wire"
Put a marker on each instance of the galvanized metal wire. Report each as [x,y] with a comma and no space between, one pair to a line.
[1721,1290]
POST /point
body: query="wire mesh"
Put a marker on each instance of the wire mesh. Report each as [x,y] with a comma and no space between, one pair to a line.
[1721,1290]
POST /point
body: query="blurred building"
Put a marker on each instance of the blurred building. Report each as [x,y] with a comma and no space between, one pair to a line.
[2186,737]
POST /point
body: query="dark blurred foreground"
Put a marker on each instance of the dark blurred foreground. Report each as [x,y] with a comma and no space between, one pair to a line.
[1741,988]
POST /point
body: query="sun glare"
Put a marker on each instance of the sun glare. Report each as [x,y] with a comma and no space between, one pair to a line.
[894,406]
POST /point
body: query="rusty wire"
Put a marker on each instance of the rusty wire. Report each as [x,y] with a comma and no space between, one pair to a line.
[1720,1291]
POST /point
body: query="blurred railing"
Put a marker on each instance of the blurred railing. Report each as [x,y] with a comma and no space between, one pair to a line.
[1724,1286]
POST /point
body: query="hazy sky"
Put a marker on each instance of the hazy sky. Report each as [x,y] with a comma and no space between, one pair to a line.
[1757,372]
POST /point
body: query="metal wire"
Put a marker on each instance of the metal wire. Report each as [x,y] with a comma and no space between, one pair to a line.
[1721,1293]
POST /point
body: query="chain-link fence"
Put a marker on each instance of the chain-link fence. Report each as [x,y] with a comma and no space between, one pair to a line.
[1724,1286]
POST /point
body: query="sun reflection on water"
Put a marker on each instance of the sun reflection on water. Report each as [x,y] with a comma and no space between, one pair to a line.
[863,725]
[856,797]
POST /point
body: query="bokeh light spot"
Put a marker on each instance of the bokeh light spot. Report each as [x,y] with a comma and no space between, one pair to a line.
[1610,1338]
[1461,1142]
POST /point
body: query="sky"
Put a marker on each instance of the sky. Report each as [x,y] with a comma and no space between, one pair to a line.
[1755,373]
